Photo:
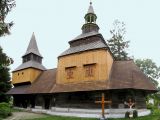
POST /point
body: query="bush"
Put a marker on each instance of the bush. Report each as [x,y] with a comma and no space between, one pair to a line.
[5,110]
[156,112]
[135,114]
[127,114]
[151,106]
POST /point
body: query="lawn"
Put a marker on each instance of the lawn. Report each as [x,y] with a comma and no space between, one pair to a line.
[151,117]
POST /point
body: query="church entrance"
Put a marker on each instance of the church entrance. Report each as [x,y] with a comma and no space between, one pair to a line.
[32,101]
[47,101]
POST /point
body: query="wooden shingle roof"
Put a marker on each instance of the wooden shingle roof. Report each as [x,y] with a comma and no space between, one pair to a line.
[30,64]
[124,75]
[84,47]
[32,47]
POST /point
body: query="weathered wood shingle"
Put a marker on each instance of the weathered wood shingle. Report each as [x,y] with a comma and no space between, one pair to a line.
[30,64]
[124,75]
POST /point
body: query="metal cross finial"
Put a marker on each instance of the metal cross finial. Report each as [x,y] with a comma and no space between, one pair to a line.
[90,2]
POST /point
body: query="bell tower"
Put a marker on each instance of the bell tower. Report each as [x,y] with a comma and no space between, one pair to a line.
[89,58]
[31,66]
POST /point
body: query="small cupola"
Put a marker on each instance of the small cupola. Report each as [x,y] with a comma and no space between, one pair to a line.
[90,21]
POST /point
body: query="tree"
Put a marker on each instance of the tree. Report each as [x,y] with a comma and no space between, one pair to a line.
[117,43]
[5,8]
[5,61]
[150,69]
[5,83]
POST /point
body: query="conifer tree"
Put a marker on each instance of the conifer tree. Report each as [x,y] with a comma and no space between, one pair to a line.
[5,61]
[5,8]
[5,83]
[117,43]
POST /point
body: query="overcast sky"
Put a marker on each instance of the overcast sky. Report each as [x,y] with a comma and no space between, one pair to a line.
[55,22]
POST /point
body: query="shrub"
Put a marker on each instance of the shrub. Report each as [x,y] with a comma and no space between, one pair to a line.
[135,114]
[151,106]
[127,114]
[5,110]
[156,112]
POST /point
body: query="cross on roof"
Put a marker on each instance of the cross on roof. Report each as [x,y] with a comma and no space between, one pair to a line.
[90,2]
[103,102]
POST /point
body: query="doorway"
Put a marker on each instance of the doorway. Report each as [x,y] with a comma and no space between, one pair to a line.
[47,101]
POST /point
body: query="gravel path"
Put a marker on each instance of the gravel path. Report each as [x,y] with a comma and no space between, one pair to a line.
[24,116]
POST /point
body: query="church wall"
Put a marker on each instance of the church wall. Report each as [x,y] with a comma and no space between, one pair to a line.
[84,100]
[140,99]
[26,75]
[100,59]
[109,63]
[77,100]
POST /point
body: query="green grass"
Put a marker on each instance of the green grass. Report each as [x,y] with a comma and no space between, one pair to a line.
[150,117]
[61,118]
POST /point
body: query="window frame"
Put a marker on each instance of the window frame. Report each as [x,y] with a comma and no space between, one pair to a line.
[70,72]
[89,70]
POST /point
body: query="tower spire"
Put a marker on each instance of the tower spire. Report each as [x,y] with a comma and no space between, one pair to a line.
[32,52]
[32,47]
[90,21]
[90,9]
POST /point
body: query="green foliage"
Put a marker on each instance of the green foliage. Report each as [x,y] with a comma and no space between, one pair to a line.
[149,68]
[151,106]
[156,98]
[5,61]
[152,71]
[156,112]
[117,43]
[135,114]
[5,83]
[6,6]
[5,110]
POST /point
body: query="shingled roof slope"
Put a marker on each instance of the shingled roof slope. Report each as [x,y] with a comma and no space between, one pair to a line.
[18,90]
[83,86]
[43,84]
[84,35]
[84,47]
[30,64]
[125,74]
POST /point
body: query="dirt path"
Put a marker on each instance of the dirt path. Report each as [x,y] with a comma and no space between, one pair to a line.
[24,116]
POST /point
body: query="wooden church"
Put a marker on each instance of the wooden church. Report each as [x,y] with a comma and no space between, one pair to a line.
[84,71]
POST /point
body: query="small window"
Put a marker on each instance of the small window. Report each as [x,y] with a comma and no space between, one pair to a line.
[89,70]
[70,72]
[22,73]
[92,19]
[18,74]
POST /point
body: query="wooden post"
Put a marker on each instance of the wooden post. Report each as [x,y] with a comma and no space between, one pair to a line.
[103,102]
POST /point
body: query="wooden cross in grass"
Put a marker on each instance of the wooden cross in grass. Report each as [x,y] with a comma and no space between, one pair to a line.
[103,102]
